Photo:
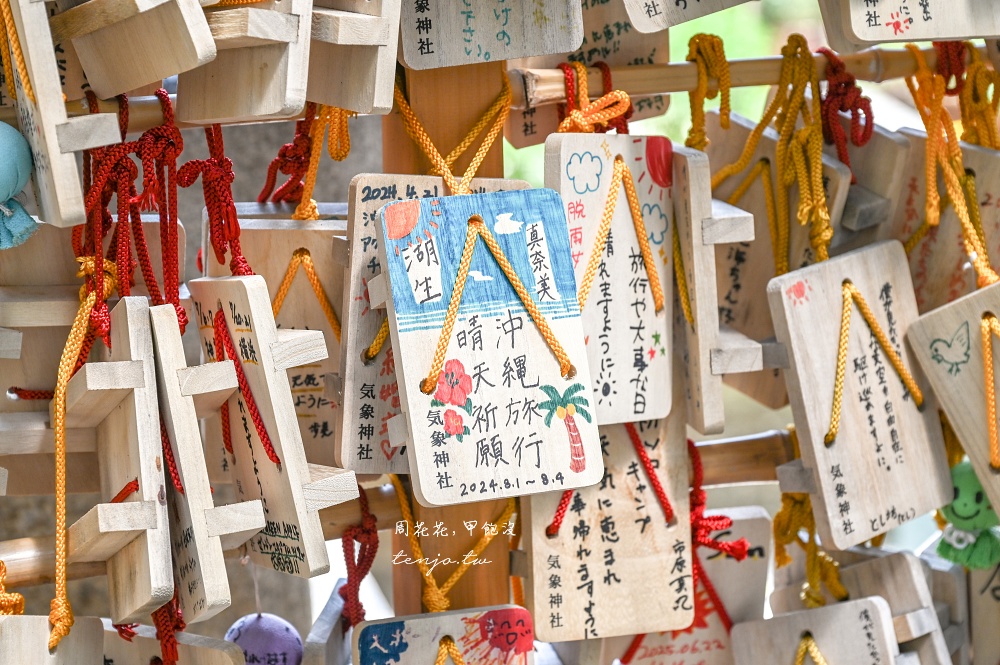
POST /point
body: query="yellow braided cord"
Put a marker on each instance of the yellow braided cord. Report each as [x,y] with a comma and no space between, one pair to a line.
[10,43]
[978,106]
[851,295]
[622,175]
[302,258]
[338,145]
[61,613]
[10,602]
[375,347]
[478,229]
[990,326]
[681,276]
[944,151]
[436,598]
[447,647]
[808,646]
[416,132]
[588,117]
[709,56]
[778,227]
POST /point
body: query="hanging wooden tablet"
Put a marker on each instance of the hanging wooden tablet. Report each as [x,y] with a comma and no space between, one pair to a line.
[741,586]
[900,579]
[940,268]
[861,461]
[707,350]
[984,611]
[918,20]
[71,76]
[480,431]
[38,301]
[623,269]
[118,398]
[145,648]
[950,590]
[270,36]
[609,37]
[856,631]
[25,638]
[879,167]
[200,530]
[743,268]
[501,635]
[291,489]
[655,15]
[367,391]
[352,58]
[948,342]
[327,643]
[273,245]
[111,36]
[445,33]
[614,542]
[836,36]
[42,118]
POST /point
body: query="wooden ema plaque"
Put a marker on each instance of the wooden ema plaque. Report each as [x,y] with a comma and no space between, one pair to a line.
[271,36]
[536,433]
[111,38]
[655,15]
[948,343]
[145,648]
[939,265]
[984,610]
[501,635]
[741,585]
[269,244]
[918,20]
[367,391]
[857,631]
[629,345]
[53,136]
[743,268]
[118,399]
[352,57]
[615,543]
[707,351]
[38,302]
[900,579]
[862,484]
[871,204]
[25,639]
[608,36]
[200,530]
[445,33]
[292,492]
[71,75]
[327,643]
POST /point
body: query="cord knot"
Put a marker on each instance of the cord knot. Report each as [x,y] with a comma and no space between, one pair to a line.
[293,161]
[10,602]
[61,618]
[434,599]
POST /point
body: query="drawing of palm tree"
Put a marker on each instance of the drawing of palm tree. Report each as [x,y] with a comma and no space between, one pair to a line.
[565,407]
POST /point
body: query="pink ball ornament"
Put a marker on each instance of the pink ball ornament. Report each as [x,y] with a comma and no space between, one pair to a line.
[266,639]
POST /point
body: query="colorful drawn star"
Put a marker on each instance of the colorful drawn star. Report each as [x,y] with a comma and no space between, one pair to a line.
[652,353]
[656,338]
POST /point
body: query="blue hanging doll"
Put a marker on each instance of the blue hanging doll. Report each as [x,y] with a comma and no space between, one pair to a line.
[16,225]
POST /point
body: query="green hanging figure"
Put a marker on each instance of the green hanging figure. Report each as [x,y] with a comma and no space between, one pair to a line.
[971,537]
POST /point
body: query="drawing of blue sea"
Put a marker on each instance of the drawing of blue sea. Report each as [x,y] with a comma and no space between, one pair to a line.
[424,239]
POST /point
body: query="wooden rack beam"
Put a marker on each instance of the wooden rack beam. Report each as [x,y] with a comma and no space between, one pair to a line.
[751,459]
[539,87]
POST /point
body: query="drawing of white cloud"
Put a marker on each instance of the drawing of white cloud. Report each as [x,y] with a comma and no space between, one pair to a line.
[584,170]
[505,225]
[479,277]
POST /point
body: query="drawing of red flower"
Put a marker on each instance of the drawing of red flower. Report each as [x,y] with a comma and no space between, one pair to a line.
[453,423]
[454,385]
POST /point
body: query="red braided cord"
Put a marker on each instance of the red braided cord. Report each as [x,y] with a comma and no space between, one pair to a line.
[552,530]
[366,535]
[126,631]
[293,161]
[843,94]
[569,77]
[619,124]
[168,456]
[647,464]
[168,621]
[951,62]
[225,348]
[81,360]
[24,393]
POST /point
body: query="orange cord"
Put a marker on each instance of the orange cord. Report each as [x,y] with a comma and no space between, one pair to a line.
[589,116]
[10,42]
[447,647]
[301,258]
[708,54]
[10,602]
[990,326]
[338,145]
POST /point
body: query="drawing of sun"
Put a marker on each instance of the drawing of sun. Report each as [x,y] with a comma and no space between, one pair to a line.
[605,388]
[401,218]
